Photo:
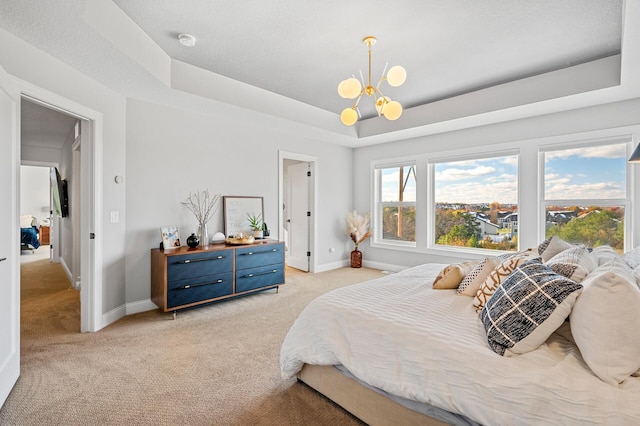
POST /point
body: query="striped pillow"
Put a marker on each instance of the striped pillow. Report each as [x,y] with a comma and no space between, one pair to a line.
[527,307]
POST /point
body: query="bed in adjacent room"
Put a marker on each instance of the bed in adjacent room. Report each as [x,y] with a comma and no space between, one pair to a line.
[396,350]
[29,233]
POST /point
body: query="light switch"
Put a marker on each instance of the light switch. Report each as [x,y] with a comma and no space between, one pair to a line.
[115,217]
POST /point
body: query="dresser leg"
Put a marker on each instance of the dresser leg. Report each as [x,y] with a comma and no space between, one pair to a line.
[175,314]
[277,290]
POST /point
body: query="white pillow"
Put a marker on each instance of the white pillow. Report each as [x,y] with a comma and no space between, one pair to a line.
[574,263]
[552,246]
[604,254]
[632,257]
[605,322]
[26,221]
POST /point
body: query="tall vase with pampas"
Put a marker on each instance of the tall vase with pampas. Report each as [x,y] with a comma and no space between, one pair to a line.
[358,228]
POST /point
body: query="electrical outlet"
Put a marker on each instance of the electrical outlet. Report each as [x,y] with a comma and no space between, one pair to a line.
[115,217]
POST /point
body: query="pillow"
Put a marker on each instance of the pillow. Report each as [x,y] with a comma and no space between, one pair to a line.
[603,254]
[605,322]
[632,257]
[574,263]
[471,283]
[26,221]
[527,307]
[552,246]
[451,276]
[497,276]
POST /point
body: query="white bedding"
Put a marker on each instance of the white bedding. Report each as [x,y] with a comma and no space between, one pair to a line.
[398,334]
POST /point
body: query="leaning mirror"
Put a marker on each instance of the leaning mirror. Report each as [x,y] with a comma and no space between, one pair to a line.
[236,212]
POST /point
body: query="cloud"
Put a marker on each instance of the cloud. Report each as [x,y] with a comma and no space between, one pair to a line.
[452,174]
[605,151]
[559,190]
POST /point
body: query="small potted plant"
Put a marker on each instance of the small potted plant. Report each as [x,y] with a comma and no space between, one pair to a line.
[255,222]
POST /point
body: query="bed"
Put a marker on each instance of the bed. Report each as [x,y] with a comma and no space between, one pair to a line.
[396,350]
[29,233]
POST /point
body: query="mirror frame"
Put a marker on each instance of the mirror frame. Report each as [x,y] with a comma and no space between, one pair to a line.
[235,210]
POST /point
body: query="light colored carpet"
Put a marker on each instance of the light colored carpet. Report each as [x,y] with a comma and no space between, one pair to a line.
[214,365]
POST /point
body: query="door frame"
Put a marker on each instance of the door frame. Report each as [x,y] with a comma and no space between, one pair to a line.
[90,199]
[313,188]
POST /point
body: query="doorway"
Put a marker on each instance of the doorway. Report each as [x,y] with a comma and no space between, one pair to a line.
[73,241]
[297,218]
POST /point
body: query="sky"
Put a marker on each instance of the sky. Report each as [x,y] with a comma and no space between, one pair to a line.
[594,172]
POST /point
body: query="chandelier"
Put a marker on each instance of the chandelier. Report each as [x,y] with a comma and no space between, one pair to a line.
[352,88]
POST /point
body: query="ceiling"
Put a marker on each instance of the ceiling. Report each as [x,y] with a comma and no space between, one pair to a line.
[286,58]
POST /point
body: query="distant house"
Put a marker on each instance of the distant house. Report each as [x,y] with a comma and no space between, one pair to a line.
[510,222]
[486,227]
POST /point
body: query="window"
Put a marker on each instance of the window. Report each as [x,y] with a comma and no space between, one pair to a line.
[476,203]
[585,195]
[396,204]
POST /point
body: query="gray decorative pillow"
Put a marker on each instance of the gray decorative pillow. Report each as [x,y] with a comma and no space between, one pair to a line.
[552,246]
[527,307]
[574,263]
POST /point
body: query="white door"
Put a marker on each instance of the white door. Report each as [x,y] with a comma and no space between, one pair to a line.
[10,240]
[298,217]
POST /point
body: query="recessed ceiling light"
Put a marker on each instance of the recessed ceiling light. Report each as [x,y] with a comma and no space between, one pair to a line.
[187,40]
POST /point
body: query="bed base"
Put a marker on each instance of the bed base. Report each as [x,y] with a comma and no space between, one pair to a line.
[367,405]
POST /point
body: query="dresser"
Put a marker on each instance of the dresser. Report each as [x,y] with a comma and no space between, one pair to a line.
[44,235]
[185,277]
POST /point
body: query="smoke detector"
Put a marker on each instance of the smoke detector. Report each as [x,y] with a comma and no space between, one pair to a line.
[187,40]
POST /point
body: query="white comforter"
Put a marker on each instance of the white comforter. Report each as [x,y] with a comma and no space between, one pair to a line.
[398,334]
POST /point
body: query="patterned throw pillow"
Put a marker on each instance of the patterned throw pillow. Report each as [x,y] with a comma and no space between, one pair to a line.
[527,307]
[471,283]
[451,276]
[552,246]
[574,263]
[497,276]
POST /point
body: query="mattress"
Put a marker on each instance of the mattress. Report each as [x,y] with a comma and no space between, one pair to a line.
[399,335]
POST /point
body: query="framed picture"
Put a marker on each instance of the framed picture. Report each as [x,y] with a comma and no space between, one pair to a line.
[170,237]
[236,211]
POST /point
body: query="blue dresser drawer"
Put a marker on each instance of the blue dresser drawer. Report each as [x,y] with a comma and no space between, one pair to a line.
[199,289]
[199,264]
[263,276]
[250,257]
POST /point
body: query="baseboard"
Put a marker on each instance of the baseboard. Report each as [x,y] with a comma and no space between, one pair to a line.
[113,315]
[383,266]
[67,271]
[367,264]
[140,306]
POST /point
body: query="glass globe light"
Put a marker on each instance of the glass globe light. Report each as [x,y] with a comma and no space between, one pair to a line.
[393,110]
[396,76]
[341,89]
[349,116]
[351,88]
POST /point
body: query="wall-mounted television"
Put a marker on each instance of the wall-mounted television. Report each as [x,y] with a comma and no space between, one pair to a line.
[59,193]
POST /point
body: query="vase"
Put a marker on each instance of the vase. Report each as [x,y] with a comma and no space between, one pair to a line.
[203,234]
[193,240]
[356,259]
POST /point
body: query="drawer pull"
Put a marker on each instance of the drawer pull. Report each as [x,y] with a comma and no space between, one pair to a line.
[188,286]
[259,252]
[261,273]
[199,260]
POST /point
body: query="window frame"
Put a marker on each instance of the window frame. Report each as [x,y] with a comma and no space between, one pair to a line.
[626,202]
[377,204]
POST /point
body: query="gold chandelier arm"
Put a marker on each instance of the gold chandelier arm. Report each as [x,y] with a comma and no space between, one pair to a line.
[382,78]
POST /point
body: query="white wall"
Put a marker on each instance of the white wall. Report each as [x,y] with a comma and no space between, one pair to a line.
[171,152]
[49,74]
[522,134]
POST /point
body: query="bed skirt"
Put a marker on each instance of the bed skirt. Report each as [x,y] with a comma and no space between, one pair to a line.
[366,404]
